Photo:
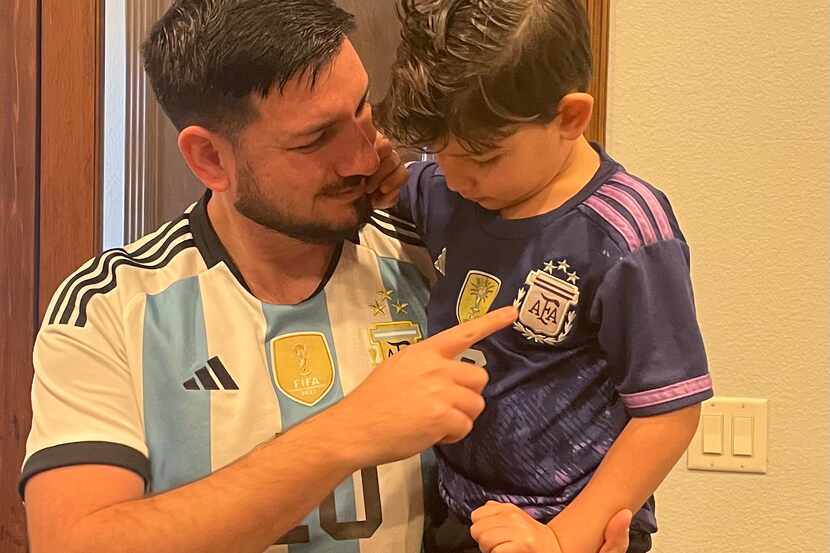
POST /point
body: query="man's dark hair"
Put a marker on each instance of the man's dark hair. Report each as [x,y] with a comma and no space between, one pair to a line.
[205,58]
[474,69]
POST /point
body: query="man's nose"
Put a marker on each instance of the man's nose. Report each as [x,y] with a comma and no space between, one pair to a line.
[361,157]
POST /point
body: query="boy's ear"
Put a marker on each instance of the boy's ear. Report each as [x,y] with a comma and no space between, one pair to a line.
[208,155]
[575,112]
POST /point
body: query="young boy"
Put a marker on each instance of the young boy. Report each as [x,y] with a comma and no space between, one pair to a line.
[594,392]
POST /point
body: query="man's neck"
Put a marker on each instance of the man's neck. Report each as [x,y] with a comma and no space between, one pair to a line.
[277,268]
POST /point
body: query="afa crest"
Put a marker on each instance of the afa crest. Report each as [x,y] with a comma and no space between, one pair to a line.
[387,339]
[547,304]
[477,295]
[303,366]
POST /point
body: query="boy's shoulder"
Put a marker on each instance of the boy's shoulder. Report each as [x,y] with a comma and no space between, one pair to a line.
[425,200]
[628,210]
[425,176]
[616,207]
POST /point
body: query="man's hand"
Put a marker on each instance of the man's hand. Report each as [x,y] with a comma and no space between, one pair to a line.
[504,528]
[418,397]
[385,185]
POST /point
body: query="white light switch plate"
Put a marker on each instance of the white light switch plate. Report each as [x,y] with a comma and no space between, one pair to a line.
[747,436]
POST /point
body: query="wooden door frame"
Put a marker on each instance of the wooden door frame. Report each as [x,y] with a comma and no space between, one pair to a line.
[599,21]
[71,130]
[50,168]
[19,55]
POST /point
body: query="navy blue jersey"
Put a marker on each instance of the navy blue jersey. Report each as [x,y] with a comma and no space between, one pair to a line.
[606,331]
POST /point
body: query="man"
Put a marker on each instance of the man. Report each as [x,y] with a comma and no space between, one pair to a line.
[227,383]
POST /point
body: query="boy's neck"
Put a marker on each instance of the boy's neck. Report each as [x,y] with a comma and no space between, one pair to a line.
[579,167]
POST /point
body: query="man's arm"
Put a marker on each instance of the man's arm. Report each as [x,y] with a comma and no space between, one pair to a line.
[417,398]
[244,507]
[641,457]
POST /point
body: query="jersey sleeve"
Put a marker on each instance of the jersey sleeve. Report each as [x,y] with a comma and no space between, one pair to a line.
[85,405]
[648,330]
[427,202]
[413,201]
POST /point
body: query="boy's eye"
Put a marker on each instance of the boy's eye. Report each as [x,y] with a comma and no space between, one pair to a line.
[486,162]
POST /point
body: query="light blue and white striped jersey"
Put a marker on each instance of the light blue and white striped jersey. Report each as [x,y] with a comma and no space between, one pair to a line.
[157,358]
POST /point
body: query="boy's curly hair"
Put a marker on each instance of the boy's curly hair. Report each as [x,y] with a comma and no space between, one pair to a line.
[474,69]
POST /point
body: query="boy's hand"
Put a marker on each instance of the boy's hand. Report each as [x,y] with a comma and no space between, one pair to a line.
[505,528]
[616,533]
[386,183]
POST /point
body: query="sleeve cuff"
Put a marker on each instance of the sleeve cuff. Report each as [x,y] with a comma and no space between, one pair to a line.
[669,398]
[85,453]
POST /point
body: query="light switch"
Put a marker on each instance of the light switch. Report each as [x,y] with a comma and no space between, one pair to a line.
[731,436]
[742,430]
[713,434]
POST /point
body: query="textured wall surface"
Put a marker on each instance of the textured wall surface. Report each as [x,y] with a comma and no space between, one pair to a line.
[724,106]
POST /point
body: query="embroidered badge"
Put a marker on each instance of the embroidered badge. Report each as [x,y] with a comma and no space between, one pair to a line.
[387,339]
[303,366]
[547,303]
[477,295]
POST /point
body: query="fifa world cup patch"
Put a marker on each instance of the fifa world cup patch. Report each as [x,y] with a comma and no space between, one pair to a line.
[303,366]
[477,295]
[387,339]
[547,304]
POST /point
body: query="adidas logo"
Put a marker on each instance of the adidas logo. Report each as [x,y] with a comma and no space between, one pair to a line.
[205,376]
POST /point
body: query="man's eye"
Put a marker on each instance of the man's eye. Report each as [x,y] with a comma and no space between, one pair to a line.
[312,145]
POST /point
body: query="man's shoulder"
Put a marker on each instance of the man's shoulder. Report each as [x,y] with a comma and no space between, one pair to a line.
[390,237]
[149,265]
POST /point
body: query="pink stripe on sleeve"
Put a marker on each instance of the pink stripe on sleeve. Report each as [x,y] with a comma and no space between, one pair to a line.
[667,393]
[620,223]
[651,200]
[634,208]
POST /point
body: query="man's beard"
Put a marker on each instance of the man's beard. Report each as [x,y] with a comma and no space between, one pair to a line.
[252,204]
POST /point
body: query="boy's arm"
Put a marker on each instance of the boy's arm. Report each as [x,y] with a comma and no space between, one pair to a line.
[648,331]
[410,193]
[639,460]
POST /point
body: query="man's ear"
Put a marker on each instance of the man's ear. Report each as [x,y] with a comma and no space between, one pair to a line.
[575,112]
[209,155]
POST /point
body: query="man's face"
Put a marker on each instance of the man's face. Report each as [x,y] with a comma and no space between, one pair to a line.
[503,179]
[301,166]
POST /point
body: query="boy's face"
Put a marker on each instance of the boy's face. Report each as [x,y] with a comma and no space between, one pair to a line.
[512,178]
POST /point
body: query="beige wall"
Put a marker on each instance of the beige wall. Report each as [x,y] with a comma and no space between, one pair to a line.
[724,105]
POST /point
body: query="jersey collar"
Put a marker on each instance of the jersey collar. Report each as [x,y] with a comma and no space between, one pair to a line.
[213,251]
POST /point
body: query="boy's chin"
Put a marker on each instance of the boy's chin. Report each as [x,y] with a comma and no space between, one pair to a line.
[490,204]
